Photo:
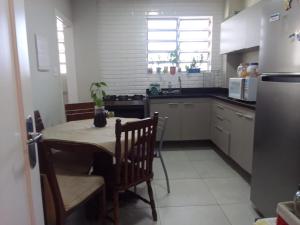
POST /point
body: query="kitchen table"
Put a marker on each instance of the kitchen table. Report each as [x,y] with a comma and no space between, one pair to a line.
[84,132]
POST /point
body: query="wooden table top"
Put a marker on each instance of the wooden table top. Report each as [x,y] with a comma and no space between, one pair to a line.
[83,131]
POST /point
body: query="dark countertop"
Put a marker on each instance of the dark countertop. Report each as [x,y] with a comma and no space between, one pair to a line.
[216,93]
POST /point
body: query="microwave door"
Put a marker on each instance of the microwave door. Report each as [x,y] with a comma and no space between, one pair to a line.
[236,88]
[243,88]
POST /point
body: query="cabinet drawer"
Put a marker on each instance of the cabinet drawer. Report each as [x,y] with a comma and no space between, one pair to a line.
[221,121]
[222,110]
[221,138]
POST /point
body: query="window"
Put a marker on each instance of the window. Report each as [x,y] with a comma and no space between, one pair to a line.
[189,37]
[61,45]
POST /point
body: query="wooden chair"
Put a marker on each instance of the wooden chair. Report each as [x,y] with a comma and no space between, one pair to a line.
[134,158]
[66,162]
[80,111]
[69,191]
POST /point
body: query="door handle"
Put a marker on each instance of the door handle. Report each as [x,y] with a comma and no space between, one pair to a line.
[35,138]
[220,107]
[220,118]
[188,104]
[239,114]
[219,128]
[248,117]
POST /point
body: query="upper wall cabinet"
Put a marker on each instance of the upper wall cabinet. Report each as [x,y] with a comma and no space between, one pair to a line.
[242,31]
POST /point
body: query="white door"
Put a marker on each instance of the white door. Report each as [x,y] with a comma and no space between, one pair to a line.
[20,193]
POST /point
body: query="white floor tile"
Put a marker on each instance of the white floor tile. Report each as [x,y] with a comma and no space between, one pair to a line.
[183,193]
[240,214]
[216,168]
[201,155]
[174,156]
[204,215]
[176,170]
[229,190]
[137,217]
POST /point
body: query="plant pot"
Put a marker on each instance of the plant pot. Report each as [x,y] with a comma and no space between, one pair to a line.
[194,70]
[166,69]
[158,70]
[100,117]
[150,71]
[173,70]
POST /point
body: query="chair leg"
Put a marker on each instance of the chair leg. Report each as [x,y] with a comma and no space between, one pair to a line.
[102,207]
[116,208]
[150,192]
[166,172]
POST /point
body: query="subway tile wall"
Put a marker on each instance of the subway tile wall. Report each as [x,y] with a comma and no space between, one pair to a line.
[122,43]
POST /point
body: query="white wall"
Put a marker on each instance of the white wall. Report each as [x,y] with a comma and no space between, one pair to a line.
[47,86]
[85,41]
[119,53]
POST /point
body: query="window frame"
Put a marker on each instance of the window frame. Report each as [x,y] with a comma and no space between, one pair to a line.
[61,43]
[209,29]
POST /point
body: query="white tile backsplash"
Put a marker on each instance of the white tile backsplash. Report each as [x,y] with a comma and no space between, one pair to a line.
[122,43]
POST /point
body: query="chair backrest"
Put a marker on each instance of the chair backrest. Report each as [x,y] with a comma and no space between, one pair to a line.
[135,151]
[39,125]
[161,129]
[80,111]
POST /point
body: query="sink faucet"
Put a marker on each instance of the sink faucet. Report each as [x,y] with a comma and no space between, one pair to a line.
[180,86]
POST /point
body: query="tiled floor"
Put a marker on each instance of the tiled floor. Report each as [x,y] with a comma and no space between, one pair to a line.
[204,190]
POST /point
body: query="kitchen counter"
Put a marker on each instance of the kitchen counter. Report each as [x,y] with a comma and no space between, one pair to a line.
[216,93]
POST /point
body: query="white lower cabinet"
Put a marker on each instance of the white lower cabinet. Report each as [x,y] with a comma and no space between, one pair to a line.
[172,110]
[196,120]
[189,119]
[232,130]
[229,126]
[242,138]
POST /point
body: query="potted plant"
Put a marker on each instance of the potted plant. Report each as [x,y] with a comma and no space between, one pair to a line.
[158,68]
[174,58]
[150,68]
[97,94]
[193,67]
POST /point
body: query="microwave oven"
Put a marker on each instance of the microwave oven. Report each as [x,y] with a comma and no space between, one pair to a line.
[243,88]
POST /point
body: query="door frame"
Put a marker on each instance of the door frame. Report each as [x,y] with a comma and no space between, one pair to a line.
[19,44]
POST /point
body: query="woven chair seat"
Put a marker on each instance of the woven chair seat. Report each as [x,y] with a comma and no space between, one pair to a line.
[75,189]
[71,163]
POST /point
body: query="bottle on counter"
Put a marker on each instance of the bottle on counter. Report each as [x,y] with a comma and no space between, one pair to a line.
[242,70]
[297,202]
[252,70]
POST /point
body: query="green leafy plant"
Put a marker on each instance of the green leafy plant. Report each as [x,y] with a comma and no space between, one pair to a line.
[174,57]
[195,62]
[97,93]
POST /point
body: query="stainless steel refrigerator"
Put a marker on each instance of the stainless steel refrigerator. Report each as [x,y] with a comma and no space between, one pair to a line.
[276,162]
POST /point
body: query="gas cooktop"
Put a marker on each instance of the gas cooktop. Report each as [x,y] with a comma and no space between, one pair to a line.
[124,100]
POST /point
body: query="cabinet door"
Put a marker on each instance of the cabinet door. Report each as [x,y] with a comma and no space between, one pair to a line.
[172,111]
[221,138]
[248,142]
[253,15]
[242,31]
[237,133]
[242,134]
[196,120]
[233,34]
